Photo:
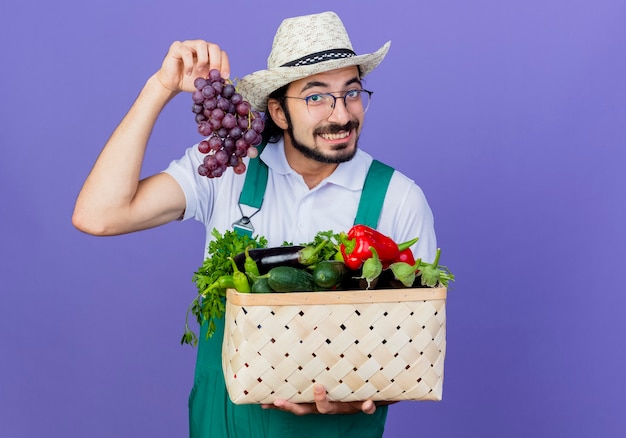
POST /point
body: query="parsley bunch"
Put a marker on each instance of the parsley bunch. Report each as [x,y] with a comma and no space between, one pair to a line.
[210,279]
[328,252]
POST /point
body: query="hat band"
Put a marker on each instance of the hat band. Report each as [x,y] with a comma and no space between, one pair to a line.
[326,55]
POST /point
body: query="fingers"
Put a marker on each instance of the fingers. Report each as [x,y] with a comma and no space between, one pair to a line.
[322,405]
[201,56]
[198,55]
[219,60]
[187,60]
[294,408]
[368,407]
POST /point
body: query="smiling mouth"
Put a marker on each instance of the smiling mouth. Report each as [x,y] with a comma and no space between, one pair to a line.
[335,136]
[335,132]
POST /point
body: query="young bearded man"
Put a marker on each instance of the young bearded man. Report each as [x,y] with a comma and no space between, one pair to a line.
[314,100]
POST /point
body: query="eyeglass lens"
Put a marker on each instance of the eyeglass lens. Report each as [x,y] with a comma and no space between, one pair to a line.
[322,105]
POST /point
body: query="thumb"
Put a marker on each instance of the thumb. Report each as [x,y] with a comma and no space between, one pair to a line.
[368,407]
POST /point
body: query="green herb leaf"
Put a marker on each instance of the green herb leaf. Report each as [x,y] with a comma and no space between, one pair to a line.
[326,244]
[209,304]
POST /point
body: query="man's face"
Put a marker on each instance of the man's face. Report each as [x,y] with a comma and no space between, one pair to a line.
[327,137]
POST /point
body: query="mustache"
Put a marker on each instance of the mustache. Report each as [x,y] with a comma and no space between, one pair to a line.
[335,128]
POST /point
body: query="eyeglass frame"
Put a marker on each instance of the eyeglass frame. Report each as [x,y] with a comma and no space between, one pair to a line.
[332,107]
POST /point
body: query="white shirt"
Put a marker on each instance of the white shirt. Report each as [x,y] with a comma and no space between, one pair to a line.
[291,212]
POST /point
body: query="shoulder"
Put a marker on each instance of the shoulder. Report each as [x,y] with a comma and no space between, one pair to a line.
[400,180]
[399,183]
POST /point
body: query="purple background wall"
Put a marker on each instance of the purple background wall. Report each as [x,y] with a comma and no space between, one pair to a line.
[510,115]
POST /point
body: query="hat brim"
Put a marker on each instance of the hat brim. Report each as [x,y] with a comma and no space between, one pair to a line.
[256,87]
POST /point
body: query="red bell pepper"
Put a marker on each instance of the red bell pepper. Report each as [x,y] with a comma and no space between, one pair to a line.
[406,256]
[355,246]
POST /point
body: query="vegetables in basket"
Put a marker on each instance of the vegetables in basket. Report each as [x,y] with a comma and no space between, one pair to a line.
[362,258]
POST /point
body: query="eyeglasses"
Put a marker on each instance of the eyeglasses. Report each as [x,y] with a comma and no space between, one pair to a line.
[321,105]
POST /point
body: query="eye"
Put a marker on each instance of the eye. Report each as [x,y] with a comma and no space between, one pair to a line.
[353,94]
[315,99]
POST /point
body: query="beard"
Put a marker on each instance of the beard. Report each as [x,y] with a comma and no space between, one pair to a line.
[340,154]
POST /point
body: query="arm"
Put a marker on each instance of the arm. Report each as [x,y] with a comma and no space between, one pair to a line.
[113,200]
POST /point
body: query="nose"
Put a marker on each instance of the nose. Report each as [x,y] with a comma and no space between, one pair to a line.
[340,111]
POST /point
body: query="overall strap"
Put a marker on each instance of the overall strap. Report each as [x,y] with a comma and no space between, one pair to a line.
[255,182]
[373,194]
[370,204]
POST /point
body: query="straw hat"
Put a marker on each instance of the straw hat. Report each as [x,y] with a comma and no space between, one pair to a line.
[304,46]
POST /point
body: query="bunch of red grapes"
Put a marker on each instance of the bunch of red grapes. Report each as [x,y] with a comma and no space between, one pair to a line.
[231,127]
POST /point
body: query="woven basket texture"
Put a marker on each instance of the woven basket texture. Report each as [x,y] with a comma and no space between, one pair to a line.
[364,345]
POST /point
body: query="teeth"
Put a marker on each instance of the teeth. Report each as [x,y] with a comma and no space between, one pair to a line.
[335,136]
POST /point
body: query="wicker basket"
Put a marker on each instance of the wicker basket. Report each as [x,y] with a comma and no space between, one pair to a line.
[361,345]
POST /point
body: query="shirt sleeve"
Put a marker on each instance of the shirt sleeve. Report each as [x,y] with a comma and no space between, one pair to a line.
[197,189]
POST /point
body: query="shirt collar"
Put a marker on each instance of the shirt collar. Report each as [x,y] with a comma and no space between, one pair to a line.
[274,156]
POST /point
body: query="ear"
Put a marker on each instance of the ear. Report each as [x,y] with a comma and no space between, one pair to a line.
[276,112]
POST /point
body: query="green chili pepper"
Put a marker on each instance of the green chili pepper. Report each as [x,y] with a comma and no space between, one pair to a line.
[240,279]
[250,266]
[339,256]
[222,282]
[225,282]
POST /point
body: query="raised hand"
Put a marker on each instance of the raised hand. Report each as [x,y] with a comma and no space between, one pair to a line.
[187,60]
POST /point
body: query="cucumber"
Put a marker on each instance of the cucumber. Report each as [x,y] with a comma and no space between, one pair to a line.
[329,273]
[261,285]
[290,279]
